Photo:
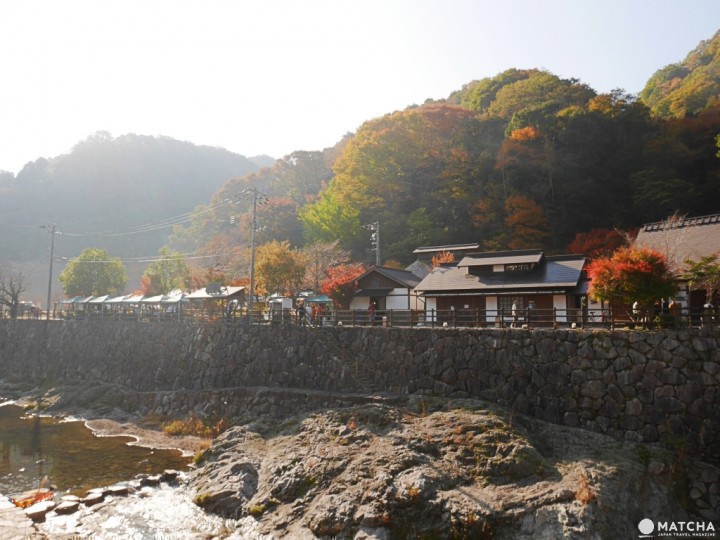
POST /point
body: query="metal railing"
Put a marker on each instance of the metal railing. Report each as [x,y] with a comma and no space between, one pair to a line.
[398,318]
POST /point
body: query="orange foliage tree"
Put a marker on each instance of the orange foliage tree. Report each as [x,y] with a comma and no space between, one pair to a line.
[597,243]
[631,275]
[442,257]
[526,219]
[340,283]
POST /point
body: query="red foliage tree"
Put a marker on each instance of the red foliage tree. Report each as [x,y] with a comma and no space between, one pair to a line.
[632,275]
[597,243]
[340,283]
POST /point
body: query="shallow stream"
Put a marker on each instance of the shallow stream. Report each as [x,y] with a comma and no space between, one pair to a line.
[74,460]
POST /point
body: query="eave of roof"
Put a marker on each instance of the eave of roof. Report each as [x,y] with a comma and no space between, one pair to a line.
[554,274]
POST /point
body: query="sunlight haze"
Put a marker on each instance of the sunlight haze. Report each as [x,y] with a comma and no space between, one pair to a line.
[277,76]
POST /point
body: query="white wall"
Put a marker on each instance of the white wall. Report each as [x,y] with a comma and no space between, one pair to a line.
[396,299]
[491,305]
[560,303]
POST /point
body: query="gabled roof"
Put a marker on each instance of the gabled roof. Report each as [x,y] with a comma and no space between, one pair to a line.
[452,247]
[678,240]
[558,274]
[419,268]
[224,292]
[404,278]
[491,258]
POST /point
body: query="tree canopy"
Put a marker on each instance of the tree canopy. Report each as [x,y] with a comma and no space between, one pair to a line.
[168,272]
[93,273]
[632,275]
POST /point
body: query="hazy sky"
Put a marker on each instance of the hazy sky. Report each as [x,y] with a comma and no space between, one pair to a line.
[274,76]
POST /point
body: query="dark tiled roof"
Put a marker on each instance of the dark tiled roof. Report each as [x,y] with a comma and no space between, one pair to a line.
[419,268]
[402,277]
[452,247]
[557,273]
[690,238]
[502,257]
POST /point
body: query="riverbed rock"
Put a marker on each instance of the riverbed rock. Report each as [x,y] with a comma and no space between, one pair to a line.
[37,511]
[67,507]
[93,498]
[468,470]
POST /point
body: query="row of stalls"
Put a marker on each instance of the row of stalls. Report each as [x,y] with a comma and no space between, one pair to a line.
[212,301]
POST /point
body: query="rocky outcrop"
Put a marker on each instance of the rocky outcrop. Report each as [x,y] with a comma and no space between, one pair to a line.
[469,470]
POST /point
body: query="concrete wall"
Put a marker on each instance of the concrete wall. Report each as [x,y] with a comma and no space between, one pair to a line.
[640,386]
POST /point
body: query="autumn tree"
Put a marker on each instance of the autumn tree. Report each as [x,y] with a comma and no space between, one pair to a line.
[597,243]
[11,287]
[318,257]
[527,222]
[341,283]
[279,268]
[703,275]
[168,272]
[93,273]
[442,258]
[632,275]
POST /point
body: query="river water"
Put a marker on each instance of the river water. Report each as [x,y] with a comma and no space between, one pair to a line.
[74,461]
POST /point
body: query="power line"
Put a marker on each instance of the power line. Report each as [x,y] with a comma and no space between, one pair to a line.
[185,256]
[154,226]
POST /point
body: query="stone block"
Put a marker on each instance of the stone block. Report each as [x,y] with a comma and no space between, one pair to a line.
[668,405]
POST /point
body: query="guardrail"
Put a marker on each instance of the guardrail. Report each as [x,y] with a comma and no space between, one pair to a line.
[454,318]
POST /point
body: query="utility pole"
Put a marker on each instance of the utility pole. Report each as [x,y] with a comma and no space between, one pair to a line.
[375,240]
[253,227]
[53,231]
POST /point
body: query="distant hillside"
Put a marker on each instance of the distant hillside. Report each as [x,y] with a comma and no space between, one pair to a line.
[262,161]
[688,87]
[104,187]
[108,185]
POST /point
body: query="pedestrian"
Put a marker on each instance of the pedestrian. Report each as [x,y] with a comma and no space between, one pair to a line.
[300,313]
[675,310]
[371,313]
[515,314]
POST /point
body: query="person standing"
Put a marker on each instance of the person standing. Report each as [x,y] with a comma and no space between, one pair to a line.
[674,309]
[371,313]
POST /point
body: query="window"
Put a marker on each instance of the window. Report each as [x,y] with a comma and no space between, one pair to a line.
[505,303]
[526,267]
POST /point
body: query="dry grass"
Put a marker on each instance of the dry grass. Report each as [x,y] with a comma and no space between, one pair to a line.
[584,493]
[196,427]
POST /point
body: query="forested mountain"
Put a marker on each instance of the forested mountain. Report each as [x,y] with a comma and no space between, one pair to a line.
[688,87]
[103,189]
[106,186]
[522,159]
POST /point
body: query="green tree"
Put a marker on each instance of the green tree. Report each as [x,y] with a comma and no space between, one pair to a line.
[703,274]
[165,274]
[93,273]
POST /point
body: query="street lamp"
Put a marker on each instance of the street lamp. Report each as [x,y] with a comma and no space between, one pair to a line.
[53,231]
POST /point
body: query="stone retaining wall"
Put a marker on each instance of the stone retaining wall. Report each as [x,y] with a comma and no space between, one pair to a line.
[640,386]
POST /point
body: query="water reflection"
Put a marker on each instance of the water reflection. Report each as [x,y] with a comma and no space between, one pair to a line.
[70,455]
[75,460]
